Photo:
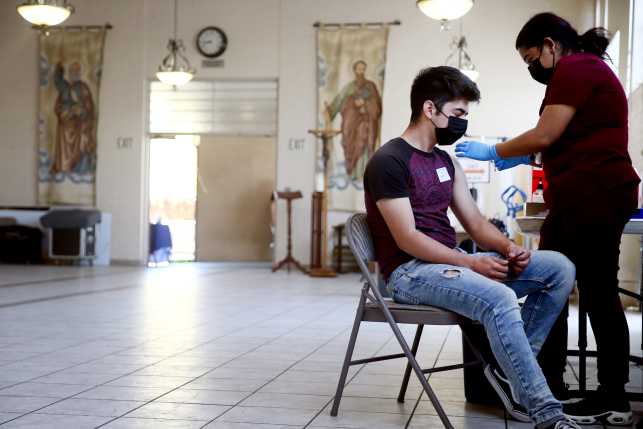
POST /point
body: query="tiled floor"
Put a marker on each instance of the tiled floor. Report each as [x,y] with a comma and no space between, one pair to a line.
[199,346]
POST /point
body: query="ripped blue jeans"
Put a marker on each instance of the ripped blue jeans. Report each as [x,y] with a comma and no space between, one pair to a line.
[515,336]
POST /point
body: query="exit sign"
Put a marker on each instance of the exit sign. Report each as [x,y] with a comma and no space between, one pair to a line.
[124,142]
[297,144]
[476,171]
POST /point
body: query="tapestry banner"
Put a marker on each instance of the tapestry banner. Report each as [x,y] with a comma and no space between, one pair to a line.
[351,65]
[70,72]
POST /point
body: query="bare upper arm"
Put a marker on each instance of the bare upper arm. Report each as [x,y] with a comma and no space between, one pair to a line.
[398,215]
[553,122]
[462,203]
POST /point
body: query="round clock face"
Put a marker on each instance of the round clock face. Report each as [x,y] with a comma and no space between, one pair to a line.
[212,42]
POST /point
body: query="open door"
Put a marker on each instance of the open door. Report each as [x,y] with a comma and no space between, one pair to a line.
[173,178]
[237,178]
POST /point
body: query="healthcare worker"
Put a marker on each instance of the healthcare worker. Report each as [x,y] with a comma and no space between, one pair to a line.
[582,134]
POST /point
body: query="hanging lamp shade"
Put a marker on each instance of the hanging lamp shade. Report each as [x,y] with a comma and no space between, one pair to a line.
[172,71]
[444,9]
[463,63]
[471,74]
[175,78]
[45,12]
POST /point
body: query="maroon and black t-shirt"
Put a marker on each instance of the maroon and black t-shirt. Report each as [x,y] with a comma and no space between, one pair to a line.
[398,170]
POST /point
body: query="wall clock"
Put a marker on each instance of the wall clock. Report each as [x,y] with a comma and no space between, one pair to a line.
[212,42]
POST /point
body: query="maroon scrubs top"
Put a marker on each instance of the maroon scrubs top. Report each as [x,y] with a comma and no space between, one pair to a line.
[591,155]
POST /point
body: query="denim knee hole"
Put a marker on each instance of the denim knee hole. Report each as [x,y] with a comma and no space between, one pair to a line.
[452,274]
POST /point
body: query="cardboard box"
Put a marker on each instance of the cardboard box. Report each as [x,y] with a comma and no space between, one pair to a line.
[534,209]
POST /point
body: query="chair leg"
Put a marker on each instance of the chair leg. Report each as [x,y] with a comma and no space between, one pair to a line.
[428,390]
[582,347]
[407,373]
[349,353]
[417,369]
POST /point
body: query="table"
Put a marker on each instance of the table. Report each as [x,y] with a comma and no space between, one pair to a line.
[530,227]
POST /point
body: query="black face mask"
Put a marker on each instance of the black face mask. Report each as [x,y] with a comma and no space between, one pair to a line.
[453,132]
[538,72]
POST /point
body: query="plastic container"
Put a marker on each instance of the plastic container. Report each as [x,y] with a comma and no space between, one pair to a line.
[537,197]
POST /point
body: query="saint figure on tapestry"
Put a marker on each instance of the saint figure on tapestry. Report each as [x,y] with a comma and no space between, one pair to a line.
[74,145]
[360,105]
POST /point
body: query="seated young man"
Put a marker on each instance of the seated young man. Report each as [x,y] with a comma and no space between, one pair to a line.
[409,184]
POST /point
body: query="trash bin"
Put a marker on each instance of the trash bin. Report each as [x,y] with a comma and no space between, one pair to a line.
[72,234]
[476,387]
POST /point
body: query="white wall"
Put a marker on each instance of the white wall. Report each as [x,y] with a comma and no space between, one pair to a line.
[18,118]
[630,244]
[251,26]
[122,99]
[637,45]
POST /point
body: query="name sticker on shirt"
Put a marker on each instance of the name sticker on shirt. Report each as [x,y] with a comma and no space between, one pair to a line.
[443,174]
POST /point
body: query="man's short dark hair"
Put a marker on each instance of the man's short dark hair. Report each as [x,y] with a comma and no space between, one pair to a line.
[441,85]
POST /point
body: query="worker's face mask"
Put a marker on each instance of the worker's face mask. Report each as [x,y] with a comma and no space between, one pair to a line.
[538,72]
[452,132]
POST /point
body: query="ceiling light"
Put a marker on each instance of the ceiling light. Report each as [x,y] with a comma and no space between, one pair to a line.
[170,71]
[444,10]
[45,12]
[175,78]
[464,64]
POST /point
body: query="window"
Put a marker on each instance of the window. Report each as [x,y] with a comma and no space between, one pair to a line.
[614,52]
[214,107]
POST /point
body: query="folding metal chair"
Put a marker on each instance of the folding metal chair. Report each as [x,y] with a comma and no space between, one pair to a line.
[379,310]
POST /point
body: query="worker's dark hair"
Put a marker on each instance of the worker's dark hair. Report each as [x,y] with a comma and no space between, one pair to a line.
[440,85]
[547,24]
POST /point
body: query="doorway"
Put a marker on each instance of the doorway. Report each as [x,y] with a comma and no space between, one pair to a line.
[237,178]
[234,123]
[173,193]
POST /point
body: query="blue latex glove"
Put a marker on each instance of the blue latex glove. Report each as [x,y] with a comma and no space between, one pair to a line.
[504,164]
[476,150]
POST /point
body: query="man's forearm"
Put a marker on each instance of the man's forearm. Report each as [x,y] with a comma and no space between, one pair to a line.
[427,249]
[490,238]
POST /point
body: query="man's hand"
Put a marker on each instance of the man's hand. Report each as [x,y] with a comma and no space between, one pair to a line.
[359,102]
[490,267]
[520,263]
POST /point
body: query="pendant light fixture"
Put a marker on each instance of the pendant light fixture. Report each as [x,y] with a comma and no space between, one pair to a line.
[170,71]
[444,10]
[464,64]
[45,12]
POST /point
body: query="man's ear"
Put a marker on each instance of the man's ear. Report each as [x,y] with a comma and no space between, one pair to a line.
[429,109]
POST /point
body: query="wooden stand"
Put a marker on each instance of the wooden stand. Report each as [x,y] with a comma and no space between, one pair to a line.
[325,135]
[339,231]
[289,196]
[316,230]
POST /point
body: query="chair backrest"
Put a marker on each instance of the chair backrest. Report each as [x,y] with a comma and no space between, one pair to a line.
[359,237]
[361,244]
